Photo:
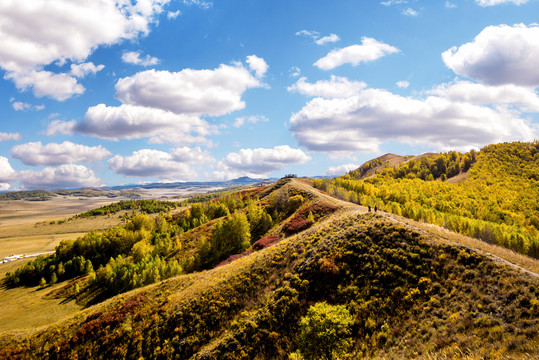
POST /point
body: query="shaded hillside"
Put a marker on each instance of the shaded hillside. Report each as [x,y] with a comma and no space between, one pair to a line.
[497,201]
[408,296]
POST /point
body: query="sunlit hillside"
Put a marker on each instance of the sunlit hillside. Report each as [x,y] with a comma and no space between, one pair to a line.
[495,199]
[248,275]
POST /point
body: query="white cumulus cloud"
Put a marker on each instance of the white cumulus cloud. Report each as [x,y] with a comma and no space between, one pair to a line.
[294,71]
[81,70]
[261,161]
[341,169]
[64,176]
[61,127]
[7,173]
[337,87]
[212,92]
[309,33]
[9,136]
[315,35]
[35,34]
[361,122]
[46,83]
[403,84]
[36,154]
[189,155]
[200,3]
[133,57]
[137,122]
[173,14]
[331,38]
[499,55]
[393,2]
[150,163]
[523,98]
[22,106]
[166,107]
[410,12]
[258,65]
[253,119]
[369,50]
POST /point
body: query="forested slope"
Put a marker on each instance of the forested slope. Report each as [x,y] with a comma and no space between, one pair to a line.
[496,203]
[384,289]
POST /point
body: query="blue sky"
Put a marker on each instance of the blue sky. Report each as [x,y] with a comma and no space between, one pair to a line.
[116,92]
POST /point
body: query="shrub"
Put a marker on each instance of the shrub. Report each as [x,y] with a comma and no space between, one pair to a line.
[325,332]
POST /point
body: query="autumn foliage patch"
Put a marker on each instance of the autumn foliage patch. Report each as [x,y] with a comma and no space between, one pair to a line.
[265,242]
[307,216]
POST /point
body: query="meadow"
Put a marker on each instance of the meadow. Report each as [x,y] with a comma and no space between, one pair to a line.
[29,227]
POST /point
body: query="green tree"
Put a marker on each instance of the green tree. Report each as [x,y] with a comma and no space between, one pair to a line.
[60,270]
[141,250]
[197,211]
[231,236]
[295,202]
[325,332]
[260,222]
[219,210]
[88,267]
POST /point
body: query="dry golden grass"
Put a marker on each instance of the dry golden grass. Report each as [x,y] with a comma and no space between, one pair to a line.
[26,309]
[458,179]
[36,244]
[26,228]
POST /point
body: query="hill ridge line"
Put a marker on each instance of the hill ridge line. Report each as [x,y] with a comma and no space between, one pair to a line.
[348,208]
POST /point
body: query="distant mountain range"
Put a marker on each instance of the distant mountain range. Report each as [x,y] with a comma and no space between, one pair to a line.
[242,181]
[129,189]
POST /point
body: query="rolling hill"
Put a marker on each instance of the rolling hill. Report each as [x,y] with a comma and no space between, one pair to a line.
[493,195]
[250,274]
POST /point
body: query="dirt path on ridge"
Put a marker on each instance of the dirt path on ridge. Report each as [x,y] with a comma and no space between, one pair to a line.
[431,231]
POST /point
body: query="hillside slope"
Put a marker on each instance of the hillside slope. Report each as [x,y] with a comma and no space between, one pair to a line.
[496,201]
[410,295]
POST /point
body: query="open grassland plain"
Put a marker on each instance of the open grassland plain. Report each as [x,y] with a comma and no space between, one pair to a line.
[403,290]
[29,227]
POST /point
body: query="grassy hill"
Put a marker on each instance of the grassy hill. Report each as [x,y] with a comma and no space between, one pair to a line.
[495,199]
[289,252]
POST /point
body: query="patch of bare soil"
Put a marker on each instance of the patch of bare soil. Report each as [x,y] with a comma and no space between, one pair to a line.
[458,179]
